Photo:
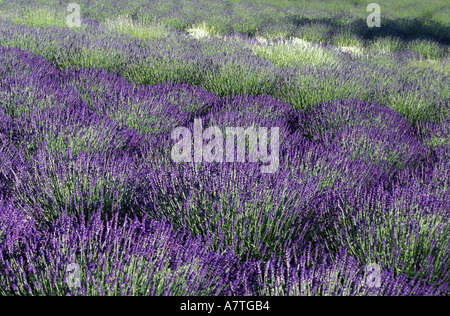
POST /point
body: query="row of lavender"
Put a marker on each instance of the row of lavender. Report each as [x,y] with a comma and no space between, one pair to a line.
[227,66]
[253,19]
[357,185]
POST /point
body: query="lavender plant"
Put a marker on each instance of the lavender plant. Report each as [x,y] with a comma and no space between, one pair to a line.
[90,192]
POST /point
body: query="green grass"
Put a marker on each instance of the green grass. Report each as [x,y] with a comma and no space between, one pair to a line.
[295,53]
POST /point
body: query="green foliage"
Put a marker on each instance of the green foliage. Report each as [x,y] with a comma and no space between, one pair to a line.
[315,32]
[428,49]
[232,78]
[412,237]
[141,31]
[347,39]
[294,53]
[387,44]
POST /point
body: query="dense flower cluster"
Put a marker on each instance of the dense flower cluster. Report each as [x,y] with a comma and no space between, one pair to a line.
[241,64]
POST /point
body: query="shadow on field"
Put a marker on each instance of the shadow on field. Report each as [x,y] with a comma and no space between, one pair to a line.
[405,28]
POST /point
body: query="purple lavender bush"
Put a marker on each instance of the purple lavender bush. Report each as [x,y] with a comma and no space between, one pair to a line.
[93,202]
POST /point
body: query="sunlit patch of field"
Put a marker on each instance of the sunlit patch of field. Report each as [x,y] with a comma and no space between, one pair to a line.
[88,118]
[293,52]
[124,24]
[202,30]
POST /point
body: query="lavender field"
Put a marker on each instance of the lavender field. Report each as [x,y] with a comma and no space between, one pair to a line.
[93,203]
